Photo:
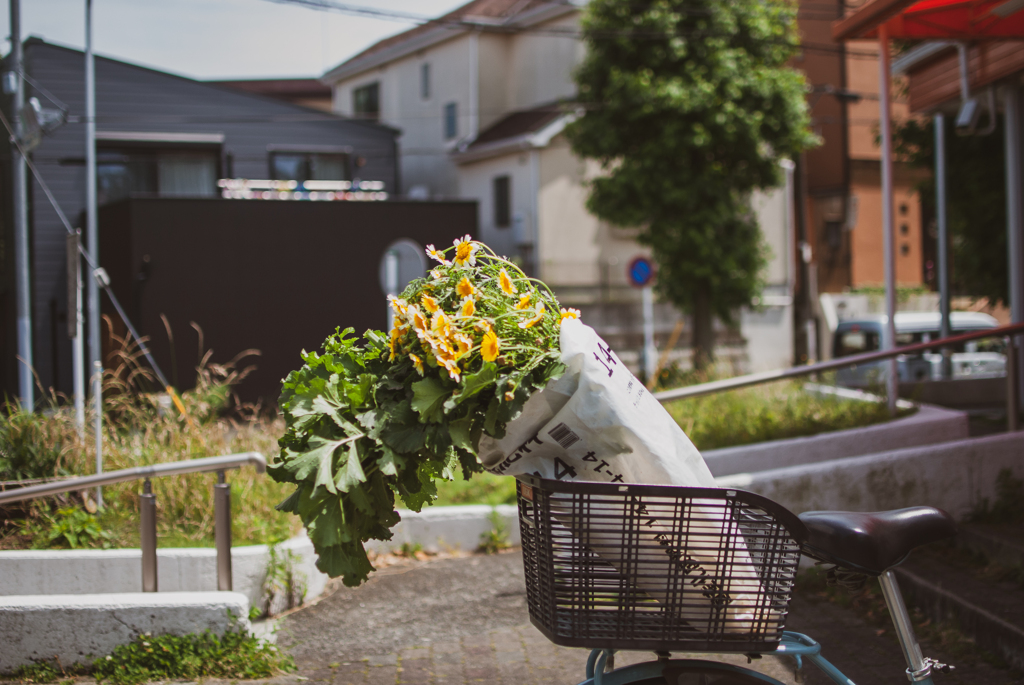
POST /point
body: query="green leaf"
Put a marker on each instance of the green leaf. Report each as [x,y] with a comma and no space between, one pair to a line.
[351,474]
[428,399]
[389,462]
[460,433]
[473,384]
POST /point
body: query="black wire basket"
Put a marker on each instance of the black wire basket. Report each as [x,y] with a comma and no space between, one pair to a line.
[651,567]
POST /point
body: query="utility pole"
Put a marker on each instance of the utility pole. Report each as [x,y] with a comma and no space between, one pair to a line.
[26,389]
[93,243]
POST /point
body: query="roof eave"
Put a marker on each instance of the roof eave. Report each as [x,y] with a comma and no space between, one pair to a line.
[867,18]
[534,140]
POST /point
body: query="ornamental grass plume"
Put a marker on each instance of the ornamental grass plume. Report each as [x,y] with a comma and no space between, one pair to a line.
[390,415]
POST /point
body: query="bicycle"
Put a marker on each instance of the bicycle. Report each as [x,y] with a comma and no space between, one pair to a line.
[667,569]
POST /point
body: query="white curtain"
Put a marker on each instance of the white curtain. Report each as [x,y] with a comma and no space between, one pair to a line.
[187,174]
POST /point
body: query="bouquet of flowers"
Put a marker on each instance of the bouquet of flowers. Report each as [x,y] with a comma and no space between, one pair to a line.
[390,414]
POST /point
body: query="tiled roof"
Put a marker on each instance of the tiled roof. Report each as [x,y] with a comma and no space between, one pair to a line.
[494,9]
[519,123]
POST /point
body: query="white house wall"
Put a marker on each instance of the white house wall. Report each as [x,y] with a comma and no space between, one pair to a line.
[422,145]
[540,65]
[476,181]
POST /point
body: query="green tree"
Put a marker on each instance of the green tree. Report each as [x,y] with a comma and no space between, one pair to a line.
[975,203]
[689,106]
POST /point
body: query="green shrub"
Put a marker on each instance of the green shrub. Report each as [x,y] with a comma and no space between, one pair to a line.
[234,655]
[34,445]
[68,528]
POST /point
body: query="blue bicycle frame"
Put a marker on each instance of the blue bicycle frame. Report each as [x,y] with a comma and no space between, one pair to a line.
[796,645]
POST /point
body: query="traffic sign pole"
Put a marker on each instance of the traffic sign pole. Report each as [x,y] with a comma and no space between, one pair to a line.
[641,275]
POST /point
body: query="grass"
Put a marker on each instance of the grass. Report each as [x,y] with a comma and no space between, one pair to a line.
[233,655]
[139,431]
[769,412]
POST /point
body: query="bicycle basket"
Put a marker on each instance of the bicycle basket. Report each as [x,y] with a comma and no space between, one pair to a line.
[654,567]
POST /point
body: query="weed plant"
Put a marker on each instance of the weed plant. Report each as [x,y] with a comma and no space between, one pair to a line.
[139,430]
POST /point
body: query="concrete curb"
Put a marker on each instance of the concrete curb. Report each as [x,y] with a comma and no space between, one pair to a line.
[955,476]
[114,571]
[450,528]
[74,628]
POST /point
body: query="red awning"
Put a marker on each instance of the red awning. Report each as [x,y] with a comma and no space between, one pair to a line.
[935,20]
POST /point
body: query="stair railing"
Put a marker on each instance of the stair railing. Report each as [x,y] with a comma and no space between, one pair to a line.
[147,503]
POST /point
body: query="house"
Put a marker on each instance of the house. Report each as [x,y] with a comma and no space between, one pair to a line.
[481,96]
[165,137]
[305,92]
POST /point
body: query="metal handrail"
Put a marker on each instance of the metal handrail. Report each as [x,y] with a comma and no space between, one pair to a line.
[842,362]
[147,504]
[175,468]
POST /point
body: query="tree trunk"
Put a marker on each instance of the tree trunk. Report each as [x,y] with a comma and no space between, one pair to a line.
[703,330]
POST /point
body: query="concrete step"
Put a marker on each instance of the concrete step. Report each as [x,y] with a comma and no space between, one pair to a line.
[949,585]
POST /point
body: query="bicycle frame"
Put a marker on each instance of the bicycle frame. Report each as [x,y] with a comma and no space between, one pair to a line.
[793,644]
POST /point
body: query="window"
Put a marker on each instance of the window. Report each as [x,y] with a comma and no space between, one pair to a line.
[451,120]
[502,201]
[366,101]
[855,342]
[425,81]
[122,172]
[309,166]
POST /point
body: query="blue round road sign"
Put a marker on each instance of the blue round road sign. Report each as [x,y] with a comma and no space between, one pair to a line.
[641,272]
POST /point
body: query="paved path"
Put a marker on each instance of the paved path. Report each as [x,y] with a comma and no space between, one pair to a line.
[460,621]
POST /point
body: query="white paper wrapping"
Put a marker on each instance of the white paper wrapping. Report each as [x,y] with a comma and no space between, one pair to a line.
[599,423]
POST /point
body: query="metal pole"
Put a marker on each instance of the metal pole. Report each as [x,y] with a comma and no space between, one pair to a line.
[650,352]
[904,627]
[222,531]
[1014,212]
[391,281]
[888,237]
[940,216]
[147,536]
[75,329]
[93,243]
[1012,395]
[19,178]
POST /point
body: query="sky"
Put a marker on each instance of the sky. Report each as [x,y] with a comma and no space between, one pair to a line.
[211,39]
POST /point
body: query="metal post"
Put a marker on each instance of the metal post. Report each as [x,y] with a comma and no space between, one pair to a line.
[19,179]
[222,531]
[147,536]
[1012,392]
[940,216]
[1014,211]
[650,352]
[904,628]
[888,236]
[391,281]
[75,330]
[93,242]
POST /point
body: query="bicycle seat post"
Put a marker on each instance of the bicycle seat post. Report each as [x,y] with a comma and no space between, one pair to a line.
[919,668]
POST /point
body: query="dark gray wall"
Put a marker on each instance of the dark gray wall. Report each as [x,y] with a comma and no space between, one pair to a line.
[134,99]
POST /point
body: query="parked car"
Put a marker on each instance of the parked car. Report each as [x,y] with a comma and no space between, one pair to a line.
[983,358]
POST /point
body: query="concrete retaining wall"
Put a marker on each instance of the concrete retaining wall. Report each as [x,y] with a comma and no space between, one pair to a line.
[928,426]
[81,572]
[74,628]
[447,528]
[955,476]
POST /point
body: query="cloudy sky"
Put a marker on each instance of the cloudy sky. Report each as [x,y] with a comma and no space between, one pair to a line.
[218,38]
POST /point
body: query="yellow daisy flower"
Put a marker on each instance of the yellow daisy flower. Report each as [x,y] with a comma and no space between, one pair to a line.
[483,325]
[507,286]
[524,301]
[417,362]
[489,347]
[437,254]
[569,314]
[468,307]
[529,323]
[441,325]
[429,303]
[449,363]
[464,342]
[436,274]
[418,321]
[465,251]
[398,305]
[465,288]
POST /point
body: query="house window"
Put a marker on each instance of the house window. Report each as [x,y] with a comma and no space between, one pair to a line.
[366,101]
[451,120]
[309,166]
[123,172]
[502,201]
[425,81]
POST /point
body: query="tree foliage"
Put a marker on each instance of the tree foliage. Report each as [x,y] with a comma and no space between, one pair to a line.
[689,106]
[975,203]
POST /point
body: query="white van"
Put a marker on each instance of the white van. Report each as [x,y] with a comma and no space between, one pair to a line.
[983,358]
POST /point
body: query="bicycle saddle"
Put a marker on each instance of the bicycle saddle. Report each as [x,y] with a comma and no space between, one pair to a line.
[871,543]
